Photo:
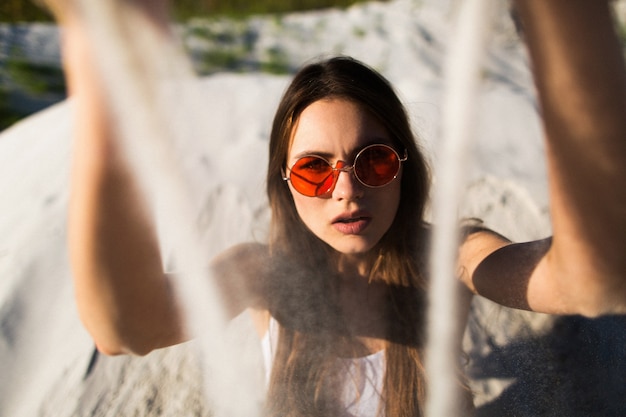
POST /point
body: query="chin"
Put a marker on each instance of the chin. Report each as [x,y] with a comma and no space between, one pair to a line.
[354,248]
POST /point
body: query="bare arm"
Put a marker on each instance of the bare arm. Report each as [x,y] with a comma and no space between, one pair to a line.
[124,299]
[581,79]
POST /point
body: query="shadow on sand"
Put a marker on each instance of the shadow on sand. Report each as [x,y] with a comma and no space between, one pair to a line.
[578,368]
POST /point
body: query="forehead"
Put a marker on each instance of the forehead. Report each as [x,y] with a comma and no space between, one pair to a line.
[335,127]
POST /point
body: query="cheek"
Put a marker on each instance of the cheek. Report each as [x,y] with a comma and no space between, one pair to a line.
[307,209]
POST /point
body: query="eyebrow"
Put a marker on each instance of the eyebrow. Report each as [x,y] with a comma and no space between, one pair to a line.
[325,155]
[329,155]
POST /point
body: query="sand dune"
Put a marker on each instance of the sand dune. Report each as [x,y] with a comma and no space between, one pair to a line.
[521,364]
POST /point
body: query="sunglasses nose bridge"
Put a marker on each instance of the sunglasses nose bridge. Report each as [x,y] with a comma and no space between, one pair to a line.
[341,166]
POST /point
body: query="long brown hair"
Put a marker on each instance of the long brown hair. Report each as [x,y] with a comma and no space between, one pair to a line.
[304,288]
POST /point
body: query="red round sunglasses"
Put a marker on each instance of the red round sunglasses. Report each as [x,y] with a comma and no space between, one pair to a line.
[374,166]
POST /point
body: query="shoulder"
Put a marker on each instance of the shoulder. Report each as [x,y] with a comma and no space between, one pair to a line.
[242,272]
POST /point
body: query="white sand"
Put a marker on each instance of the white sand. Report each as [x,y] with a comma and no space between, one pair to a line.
[44,351]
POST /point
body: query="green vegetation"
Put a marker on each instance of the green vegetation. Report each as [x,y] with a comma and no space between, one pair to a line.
[219,44]
[22,11]
[226,43]
[184,9]
[359,32]
[30,11]
[276,62]
[22,80]
[36,78]
[8,115]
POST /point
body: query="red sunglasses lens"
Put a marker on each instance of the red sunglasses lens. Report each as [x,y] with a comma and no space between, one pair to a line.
[311,176]
[376,166]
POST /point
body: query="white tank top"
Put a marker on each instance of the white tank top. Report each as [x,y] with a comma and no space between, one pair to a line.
[363,377]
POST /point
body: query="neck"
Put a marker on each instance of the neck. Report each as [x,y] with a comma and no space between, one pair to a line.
[355,266]
[362,303]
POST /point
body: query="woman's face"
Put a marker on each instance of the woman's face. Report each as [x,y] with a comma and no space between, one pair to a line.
[352,217]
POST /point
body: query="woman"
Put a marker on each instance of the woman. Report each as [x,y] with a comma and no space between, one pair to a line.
[343,292]
[359,227]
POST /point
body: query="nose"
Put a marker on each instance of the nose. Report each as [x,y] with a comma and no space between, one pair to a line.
[347,186]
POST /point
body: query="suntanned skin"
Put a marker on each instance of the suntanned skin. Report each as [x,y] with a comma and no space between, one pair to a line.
[128,305]
[579,70]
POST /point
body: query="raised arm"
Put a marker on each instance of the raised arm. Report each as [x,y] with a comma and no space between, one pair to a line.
[124,299]
[579,71]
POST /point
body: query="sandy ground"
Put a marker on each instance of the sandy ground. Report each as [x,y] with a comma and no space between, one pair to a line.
[520,364]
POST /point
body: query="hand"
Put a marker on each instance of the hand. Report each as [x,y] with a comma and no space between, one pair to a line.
[69,11]
[61,9]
